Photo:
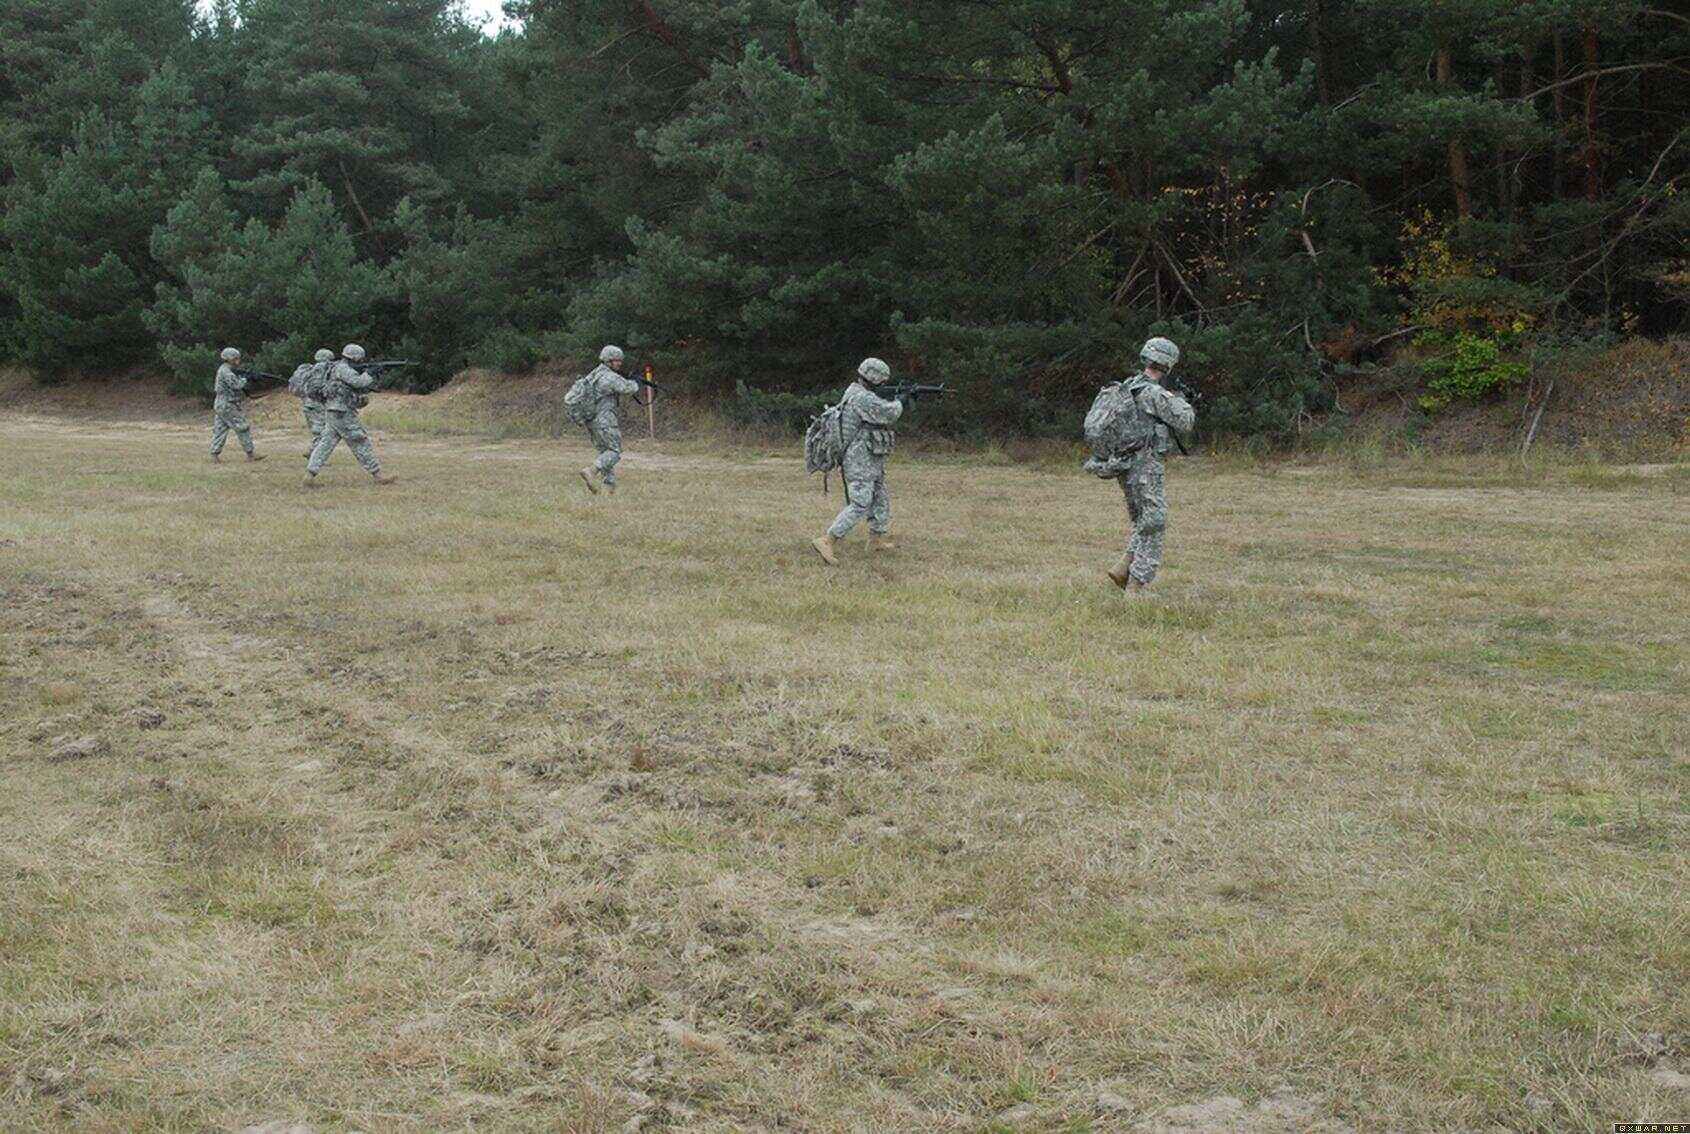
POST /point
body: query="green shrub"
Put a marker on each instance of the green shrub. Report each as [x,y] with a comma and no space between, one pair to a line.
[773,409]
[508,351]
[1466,366]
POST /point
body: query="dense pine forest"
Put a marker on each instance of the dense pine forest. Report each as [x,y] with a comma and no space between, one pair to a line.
[1008,196]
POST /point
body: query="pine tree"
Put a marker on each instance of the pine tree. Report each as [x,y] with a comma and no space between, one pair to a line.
[278,293]
[75,235]
[358,95]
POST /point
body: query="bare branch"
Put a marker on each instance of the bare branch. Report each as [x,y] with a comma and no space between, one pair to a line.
[1586,76]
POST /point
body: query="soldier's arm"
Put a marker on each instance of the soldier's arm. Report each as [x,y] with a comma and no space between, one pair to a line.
[352,378]
[614,383]
[876,410]
[1173,409]
[237,382]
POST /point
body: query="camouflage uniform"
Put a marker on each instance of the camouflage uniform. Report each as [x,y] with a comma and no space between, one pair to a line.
[299,385]
[1143,481]
[341,422]
[867,421]
[228,411]
[603,426]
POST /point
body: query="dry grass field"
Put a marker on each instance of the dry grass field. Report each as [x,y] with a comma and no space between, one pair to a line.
[478,803]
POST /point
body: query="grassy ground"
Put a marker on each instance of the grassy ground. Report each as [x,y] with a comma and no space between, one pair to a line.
[475,802]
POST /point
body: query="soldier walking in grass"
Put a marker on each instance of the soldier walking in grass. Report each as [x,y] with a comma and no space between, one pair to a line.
[228,407]
[301,386]
[593,402]
[344,396]
[865,424]
[1131,426]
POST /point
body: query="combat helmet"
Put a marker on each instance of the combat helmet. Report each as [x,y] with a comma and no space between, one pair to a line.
[1159,352]
[874,371]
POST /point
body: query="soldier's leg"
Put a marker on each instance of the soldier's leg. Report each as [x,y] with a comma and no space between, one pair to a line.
[608,438]
[243,433]
[1150,523]
[219,433]
[880,507]
[359,442]
[326,442]
[1129,491]
[1120,573]
[861,492]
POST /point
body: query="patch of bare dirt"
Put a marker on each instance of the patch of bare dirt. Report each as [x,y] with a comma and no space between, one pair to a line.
[1282,1112]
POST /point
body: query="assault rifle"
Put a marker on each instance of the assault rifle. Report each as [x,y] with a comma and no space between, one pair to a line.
[1183,388]
[256,379]
[910,391]
[380,367]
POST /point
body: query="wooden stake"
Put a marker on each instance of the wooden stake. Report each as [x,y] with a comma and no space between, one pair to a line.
[1543,405]
[650,406]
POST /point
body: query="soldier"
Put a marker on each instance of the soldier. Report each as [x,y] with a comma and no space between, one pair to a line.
[866,419]
[228,407]
[340,422]
[603,387]
[1142,481]
[301,386]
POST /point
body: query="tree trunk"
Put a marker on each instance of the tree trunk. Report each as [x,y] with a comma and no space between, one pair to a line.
[1460,179]
[1504,155]
[1592,158]
[1317,47]
[1528,76]
[795,49]
[1560,112]
[660,28]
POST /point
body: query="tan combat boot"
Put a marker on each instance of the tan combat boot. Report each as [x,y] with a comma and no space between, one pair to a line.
[610,488]
[824,548]
[217,458]
[310,480]
[254,457]
[881,542]
[379,479]
[587,478]
[1121,573]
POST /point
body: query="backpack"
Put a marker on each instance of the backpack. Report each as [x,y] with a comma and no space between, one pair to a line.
[824,443]
[316,383]
[581,402]
[1117,424]
[296,382]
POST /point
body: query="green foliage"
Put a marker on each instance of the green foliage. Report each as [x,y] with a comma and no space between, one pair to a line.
[1466,366]
[508,350]
[278,293]
[764,192]
[455,295]
[75,256]
[790,412]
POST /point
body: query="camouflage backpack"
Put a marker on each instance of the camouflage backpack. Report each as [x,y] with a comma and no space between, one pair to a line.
[581,402]
[824,443]
[296,381]
[316,383]
[1117,426]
